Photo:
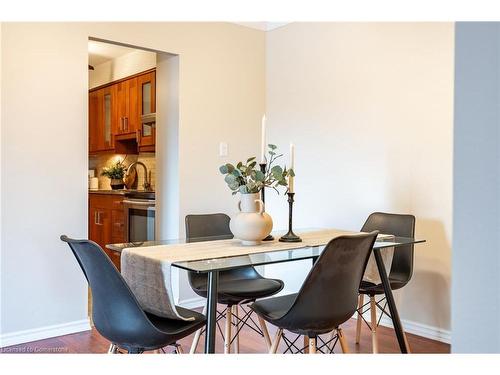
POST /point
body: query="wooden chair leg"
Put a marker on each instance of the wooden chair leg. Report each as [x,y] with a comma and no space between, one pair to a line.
[236,342]
[312,345]
[112,349]
[373,313]
[263,327]
[227,333]
[276,341]
[343,341]
[178,349]
[306,344]
[197,335]
[361,300]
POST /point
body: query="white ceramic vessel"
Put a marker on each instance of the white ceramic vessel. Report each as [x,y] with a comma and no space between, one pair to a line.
[252,223]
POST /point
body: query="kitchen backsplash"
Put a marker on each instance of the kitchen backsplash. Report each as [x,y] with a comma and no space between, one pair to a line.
[98,162]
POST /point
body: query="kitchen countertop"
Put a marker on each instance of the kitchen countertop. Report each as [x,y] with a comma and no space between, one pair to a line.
[116,192]
[104,191]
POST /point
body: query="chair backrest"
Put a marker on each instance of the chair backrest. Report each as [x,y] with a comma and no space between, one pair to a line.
[398,225]
[206,227]
[328,297]
[115,311]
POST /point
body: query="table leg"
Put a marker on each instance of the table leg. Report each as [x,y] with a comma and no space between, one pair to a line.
[398,327]
[213,281]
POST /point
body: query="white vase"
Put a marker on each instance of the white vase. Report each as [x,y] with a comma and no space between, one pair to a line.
[251,224]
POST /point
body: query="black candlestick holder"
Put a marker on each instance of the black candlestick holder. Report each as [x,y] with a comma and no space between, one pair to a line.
[290,236]
[263,197]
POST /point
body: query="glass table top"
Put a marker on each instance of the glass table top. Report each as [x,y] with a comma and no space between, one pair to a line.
[278,256]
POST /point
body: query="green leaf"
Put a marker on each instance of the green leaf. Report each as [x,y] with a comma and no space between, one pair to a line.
[223,169]
[291,173]
[234,185]
[272,147]
[230,179]
[277,172]
[252,165]
[238,166]
[250,159]
[243,189]
[259,176]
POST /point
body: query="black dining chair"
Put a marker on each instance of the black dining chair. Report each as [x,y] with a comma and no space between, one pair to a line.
[400,273]
[116,312]
[328,296]
[236,287]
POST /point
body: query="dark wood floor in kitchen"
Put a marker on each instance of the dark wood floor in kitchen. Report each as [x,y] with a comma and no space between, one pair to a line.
[250,342]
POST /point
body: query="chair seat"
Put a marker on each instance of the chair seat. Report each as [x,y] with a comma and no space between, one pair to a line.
[273,309]
[177,329]
[232,292]
[369,288]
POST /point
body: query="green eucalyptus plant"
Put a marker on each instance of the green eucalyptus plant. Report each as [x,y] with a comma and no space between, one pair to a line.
[246,178]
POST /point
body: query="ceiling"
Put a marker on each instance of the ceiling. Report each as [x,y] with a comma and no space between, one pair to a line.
[101,52]
[264,26]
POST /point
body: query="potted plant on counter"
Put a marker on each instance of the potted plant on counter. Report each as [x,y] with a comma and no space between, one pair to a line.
[252,223]
[116,173]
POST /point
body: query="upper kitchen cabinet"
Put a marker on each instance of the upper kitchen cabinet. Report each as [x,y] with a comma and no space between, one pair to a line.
[147,109]
[122,115]
[127,108]
[102,108]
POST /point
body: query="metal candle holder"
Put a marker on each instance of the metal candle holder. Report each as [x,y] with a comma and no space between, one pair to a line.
[290,236]
[263,197]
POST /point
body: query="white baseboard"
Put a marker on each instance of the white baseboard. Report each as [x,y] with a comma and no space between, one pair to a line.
[29,335]
[420,329]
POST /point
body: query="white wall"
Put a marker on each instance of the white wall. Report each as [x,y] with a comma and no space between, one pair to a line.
[44,192]
[370,109]
[476,206]
[44,117]
[123,66]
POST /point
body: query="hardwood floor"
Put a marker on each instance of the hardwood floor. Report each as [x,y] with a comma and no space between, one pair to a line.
[250,342]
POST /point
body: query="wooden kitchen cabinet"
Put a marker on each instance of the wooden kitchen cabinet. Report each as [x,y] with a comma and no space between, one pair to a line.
[115,112]
[102,111]
[146,84]
[106,222]
[127,117]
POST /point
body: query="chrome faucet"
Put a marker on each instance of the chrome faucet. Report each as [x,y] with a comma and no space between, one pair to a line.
[147,178]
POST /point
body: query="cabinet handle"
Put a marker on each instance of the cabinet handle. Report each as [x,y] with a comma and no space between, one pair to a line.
[121,124]
[126,123]
[95,218]
[99,218]
[138,136]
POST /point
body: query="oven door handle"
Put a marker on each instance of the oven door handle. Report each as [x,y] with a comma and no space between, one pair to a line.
[139,203]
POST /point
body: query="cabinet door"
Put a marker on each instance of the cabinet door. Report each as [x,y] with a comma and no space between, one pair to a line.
[122,106]
[147,104]
[127,106]
[93,121]
[133,117]
[95,230]
[108,106]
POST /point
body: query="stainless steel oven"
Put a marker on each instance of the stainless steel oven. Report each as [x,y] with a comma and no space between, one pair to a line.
[139,216]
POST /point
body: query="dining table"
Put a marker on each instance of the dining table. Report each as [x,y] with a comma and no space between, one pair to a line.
[212,255]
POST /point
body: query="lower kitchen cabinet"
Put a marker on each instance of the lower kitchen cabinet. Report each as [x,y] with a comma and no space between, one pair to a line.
[106,222]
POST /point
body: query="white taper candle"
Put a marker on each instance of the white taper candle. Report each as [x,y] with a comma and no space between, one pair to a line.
[263,141]
[292,166]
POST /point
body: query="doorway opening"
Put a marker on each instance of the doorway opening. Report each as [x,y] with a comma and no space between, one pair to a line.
[132,116]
